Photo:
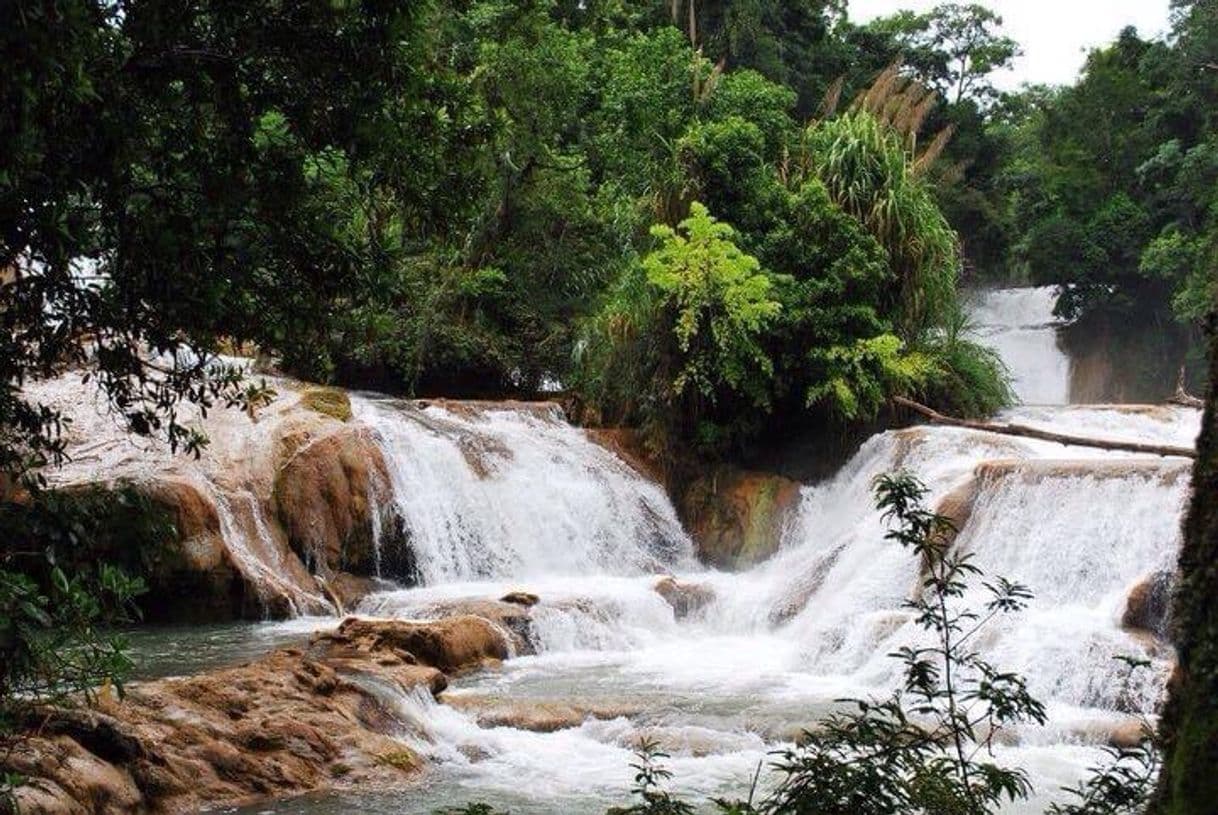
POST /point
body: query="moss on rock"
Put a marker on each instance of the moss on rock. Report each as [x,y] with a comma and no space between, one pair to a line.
[331,402]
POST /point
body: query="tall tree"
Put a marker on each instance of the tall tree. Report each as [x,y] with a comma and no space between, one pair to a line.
[954,47]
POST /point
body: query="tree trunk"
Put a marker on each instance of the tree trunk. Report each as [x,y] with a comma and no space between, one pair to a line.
[1188,784]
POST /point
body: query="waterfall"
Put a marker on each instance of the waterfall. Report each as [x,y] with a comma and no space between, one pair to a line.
[502,498]
[1019,324]
[515,491]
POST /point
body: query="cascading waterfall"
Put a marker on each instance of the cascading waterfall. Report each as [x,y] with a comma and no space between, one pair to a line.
[518,492]
[1019,324]
[502,498]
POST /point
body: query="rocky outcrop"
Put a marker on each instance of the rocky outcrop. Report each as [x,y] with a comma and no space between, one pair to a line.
[736,517]
[294,721]
[453,644]
[512,620]
[685,598]
[627,444]
[325,495]
[192,577]
[1148,606]
[957,507]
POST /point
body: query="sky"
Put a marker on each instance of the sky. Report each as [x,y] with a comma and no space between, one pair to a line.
[1055,34]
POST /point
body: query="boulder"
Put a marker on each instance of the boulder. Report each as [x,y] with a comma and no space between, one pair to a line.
[452,644]
[537,715]
[685,598]
[325,496]
[192,578]
[1148,606]
[520,598]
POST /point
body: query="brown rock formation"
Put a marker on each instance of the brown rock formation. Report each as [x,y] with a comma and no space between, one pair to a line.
[324,497]
[453,644]
[736,516]
[1149,604]
[192,577]
[294,721]
[685,598]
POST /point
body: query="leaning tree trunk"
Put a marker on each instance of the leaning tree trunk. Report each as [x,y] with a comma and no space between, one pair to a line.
[1189,782]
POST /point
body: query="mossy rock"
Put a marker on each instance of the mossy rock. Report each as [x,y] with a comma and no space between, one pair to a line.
[330,402]
[737,516]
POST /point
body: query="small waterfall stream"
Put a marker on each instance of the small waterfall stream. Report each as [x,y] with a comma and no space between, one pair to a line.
[518,492]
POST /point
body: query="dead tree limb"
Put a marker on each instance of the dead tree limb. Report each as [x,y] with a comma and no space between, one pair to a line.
[1182,396]
[1008,429]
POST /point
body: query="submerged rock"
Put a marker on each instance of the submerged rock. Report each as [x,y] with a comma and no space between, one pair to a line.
[537,715]
[294,721]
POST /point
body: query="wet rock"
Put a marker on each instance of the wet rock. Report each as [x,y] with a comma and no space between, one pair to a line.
[685,598]
[520,598]
[192,577]
[627,444]
[1148,606]
[514,619]
[957,506]
[453,644]
[325,496]
[736,517]
[537,715]
[294,721]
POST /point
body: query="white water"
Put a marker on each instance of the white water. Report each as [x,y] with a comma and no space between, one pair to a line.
[1019,324]
[514,499]
[518,493]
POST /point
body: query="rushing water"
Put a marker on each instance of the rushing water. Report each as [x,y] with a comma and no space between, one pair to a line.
[1019,324]
[502,498]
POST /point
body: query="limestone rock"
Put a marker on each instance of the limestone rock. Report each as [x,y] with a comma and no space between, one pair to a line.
[325,496]
[294,721]
[453,644]
[736,517]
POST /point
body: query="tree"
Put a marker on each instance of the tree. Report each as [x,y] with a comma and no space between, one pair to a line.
[154,193]
[955,47]
[1189,729]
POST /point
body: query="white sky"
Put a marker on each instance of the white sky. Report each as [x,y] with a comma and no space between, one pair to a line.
[1055,34]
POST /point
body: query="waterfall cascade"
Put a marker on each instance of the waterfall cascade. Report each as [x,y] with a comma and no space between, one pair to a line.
[515,499]
[501,497]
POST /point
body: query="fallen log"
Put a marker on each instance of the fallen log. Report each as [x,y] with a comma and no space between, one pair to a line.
[1009,429]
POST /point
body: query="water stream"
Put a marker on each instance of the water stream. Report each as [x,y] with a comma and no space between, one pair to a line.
[501,498]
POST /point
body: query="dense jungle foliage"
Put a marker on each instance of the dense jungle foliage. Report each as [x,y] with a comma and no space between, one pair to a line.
[482,197]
